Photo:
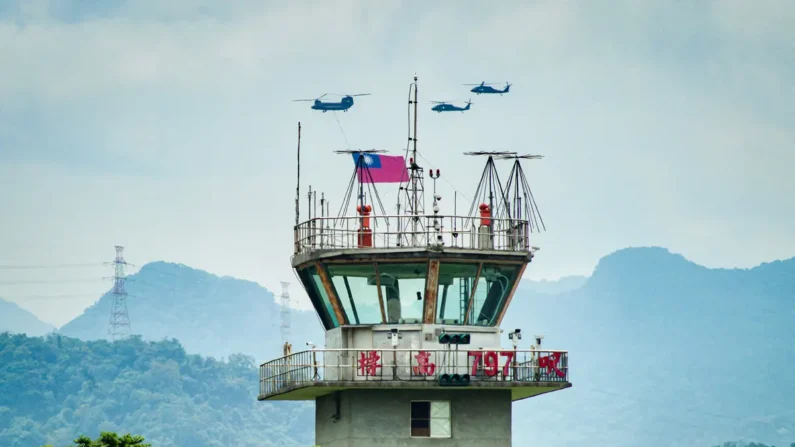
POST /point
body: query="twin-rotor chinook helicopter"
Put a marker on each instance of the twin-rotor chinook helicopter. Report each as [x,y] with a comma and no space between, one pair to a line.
[343,105]
[440,106]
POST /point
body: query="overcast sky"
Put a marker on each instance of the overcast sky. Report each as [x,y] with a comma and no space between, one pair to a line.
[167,127]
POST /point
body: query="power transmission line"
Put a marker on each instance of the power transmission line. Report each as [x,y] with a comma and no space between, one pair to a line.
[51,266]
[46,297]
[53,281]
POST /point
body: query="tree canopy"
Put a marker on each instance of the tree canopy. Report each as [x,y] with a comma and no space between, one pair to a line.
[109,439]
[54,389]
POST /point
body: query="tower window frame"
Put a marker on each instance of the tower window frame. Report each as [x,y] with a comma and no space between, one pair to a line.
[430,419]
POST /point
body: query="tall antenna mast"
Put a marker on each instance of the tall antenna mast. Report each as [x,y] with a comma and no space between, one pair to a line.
[414,153]
[414,205]
[298,177]
[284,313]
[119,318]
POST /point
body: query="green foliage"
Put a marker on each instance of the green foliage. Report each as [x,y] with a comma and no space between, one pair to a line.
[54,388]
[110,439]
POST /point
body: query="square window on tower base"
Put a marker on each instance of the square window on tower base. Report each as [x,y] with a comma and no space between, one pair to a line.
[430,419]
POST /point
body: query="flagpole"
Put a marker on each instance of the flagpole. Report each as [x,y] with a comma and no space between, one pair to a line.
[361,183]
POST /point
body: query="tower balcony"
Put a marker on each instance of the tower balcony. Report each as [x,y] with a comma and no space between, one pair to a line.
[308,375]
[433,232]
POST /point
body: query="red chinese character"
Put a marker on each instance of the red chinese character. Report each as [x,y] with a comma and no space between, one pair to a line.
[551,362]
[425,365]
[368,363]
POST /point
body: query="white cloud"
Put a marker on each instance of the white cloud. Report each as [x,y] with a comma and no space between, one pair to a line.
[64,61]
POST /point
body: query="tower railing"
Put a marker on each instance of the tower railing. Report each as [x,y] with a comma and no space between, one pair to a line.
[466,232]
[444,366]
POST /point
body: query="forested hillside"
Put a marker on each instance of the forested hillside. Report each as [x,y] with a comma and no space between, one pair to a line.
[54,389]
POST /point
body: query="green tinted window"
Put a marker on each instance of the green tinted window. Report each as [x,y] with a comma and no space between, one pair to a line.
[403,288]
[495,284]
[455,286]
[356,289]
[317,294]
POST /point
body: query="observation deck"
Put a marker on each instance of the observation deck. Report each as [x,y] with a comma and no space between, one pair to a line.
[308,375]
[500,235]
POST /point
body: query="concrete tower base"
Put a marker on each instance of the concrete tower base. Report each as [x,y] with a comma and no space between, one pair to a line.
[397,418]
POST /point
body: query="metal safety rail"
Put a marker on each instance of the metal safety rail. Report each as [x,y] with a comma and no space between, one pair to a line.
[455,366]
[404,231]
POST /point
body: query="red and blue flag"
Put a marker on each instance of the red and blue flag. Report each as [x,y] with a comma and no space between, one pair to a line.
[381,168]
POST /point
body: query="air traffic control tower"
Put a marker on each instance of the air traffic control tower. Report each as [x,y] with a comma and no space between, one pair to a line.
[412,303]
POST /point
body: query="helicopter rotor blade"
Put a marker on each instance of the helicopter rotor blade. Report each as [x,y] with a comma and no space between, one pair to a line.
[315,99]
[361,151]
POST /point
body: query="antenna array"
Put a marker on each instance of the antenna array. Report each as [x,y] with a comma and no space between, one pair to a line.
[413,190]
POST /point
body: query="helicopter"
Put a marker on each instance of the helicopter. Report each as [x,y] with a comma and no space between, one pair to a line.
[486,88]
[345,104]
[443,106]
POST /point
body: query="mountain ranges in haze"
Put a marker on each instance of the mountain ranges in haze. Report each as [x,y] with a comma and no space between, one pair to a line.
[210,315]
[18,320]
[663,352]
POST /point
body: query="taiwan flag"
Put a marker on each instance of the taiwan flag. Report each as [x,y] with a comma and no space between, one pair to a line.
[381,168]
